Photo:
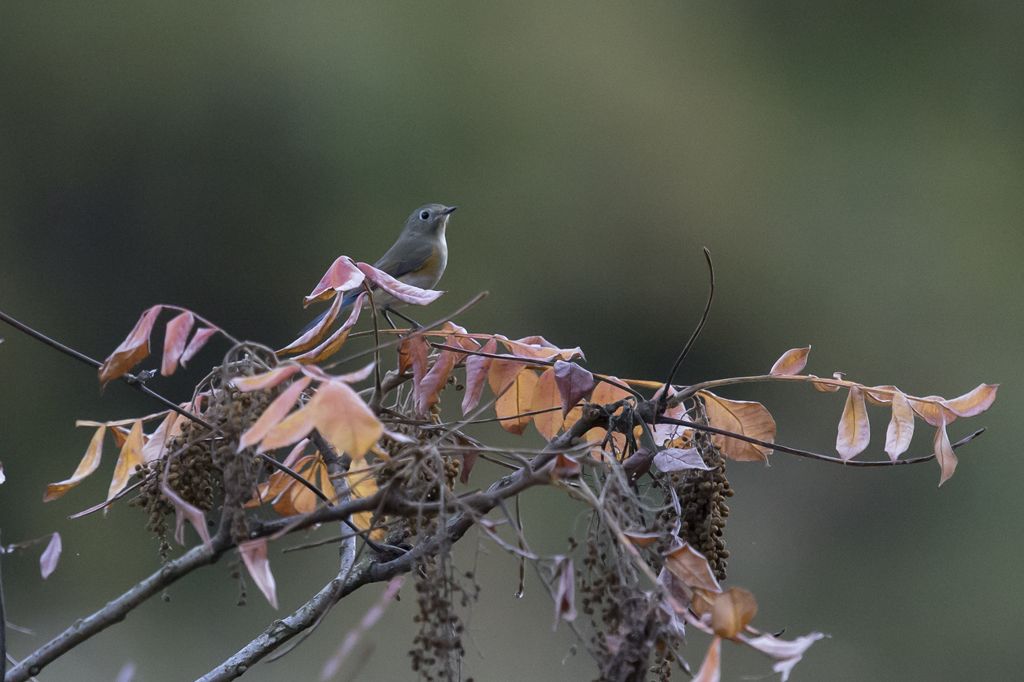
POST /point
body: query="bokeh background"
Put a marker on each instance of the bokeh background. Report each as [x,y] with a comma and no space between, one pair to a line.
[857,170]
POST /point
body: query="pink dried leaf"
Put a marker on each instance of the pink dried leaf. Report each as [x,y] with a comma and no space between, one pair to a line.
[199,339]
[267,379]
[477,369]
[343,275]
[400,290]
[132,350]
[174,341]
[51,555]
[574,384]
[274,413]
[254,554]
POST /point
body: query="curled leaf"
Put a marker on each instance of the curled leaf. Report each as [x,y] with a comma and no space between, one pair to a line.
[788,653]
[130,457]
[199,340]
[477,369]
[975,402]
[692,568]
[90,461]
[174,341]
[944,454]
[901,427]
[400,290]
[854,430]
[429,388]
[132,350]
[792,362]
[343,275]
[254,554]
[48,561]
[336,340]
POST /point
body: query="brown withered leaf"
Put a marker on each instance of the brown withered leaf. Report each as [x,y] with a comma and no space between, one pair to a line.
[641,539]
[132,350]
[880,395]
[545,396]
[434,381]
[944,454]
[343,275]
[274,413]
[679,459]
[901,427]
[732,612]
[574,384]
[267,379]
[131,455]
[477,369]
[174,341]
[854,429]
[975,402]
[344,419]
[400,290]
[314,335]
[538,347]
[50,557]
[710,669]
[199,340]
[336,340]
[89,463]
[792,362]
[691,567]
[254,554]
[825,387]
[515,401]
[565,591]
[744,418]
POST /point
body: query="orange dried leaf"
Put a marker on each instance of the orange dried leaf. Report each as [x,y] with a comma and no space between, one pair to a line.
[901,427]
[343,275]
[254,554]
[434,381]
[364,485]
[400,290]
[477,369]
[732,612]
[156,445]
[792,362]
[854,429]
[199,340]
[537,347]
[89,463]
[336,340]
[692,568]
[315,333]
[710,669]
[546,396]
[744,418]
[516,400]
[344,419]
[932,410]
[289,430]
[606,393]
[975,402]
[174,341]
[502,373]
[131,455]
[132,350]
[944,454]
[265,380]
[274,413]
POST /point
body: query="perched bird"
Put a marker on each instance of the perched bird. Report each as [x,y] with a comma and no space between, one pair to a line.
[418,257]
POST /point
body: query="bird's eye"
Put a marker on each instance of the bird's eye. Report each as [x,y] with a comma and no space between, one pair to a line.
[424,215]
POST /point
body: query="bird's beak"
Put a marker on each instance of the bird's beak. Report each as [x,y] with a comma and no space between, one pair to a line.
[448,210]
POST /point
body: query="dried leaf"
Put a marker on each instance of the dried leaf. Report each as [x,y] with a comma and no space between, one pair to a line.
[254,554]
[606,393]
[732,612]
[880,395]
[710,669]
[199,340]
[343,275]
[502,373]
[537,347]
[565,592]
[975,402]
[350,378]
[344,419]
[274,413]
[677,459]
[267,379]
[744,418]
[132,350]
[156,445]
[336,340]
[854,430]
[400,290]
[418,350]
[314,334]
[361,486]
[692,568]
[825,387]
[184,511]
[792,362]
[477,369]
[901,427]
[944,454]
[546,396]
[789,653]
[515,401]
[289,430]
[90,461]
[932,409]
[174,341]
[574,384]
[131,455]
[434,381]
[642,539]
[48,561]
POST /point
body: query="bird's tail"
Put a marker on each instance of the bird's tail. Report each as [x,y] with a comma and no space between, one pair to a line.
[345,303]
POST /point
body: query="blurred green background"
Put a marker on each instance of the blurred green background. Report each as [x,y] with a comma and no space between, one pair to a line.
[855,168]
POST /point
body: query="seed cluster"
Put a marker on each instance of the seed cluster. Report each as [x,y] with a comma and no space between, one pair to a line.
[437,647]
[702,498]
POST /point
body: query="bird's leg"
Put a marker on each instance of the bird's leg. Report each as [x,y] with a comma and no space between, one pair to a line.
[388,318]
[411,321]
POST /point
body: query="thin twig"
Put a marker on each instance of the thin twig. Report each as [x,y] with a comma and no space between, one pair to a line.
[662,401]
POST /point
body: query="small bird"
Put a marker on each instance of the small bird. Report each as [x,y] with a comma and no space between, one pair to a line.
[418,257]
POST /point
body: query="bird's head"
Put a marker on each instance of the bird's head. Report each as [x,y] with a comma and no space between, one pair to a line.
[429,220]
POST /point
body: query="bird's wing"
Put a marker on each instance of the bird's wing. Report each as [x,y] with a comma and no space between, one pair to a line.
[407,255]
